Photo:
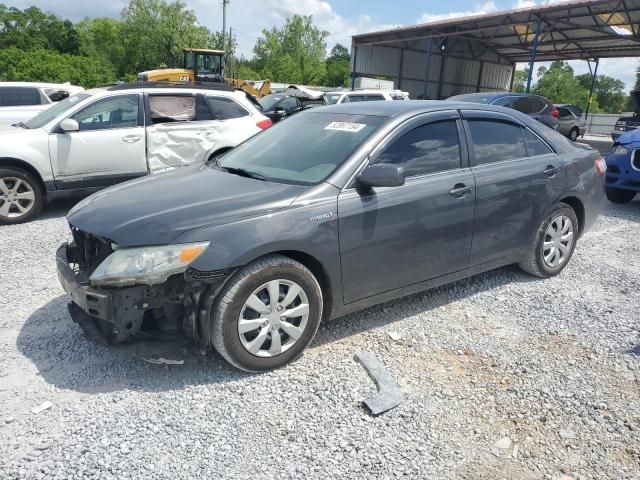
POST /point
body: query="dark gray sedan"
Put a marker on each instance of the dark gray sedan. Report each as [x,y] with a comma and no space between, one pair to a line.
[345,207]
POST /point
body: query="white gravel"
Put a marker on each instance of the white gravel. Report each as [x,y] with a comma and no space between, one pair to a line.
[504,376]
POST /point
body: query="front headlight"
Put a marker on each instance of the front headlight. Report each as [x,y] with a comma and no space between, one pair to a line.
[146,265]
[620,150]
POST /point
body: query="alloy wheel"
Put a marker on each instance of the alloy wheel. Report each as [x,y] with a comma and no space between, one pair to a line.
[17,197]
[273,318]
[558,241]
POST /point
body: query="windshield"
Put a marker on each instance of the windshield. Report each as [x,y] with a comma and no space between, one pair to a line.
[305,152]
[51,113]
[332,98]
[473,98]
[268,101]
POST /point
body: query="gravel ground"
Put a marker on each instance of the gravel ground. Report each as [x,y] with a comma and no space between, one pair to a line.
[504,376]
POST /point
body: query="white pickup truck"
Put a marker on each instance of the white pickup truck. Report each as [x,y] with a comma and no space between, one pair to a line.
[101,137]
[20,101]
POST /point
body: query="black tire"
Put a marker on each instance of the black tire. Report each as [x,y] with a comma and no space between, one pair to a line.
[535,263]
[228,306]
[7,176]
[574,134]
[618,195]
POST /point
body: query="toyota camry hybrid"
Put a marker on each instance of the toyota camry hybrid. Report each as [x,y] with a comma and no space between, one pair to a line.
[338,209]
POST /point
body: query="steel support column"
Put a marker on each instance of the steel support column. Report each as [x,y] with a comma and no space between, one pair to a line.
[534,51]
[400,69]
[594,76]
[443,65]
[353,67]
[480,72]
[426,74]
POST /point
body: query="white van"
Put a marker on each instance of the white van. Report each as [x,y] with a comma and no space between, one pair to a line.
[21,101]
[368,95]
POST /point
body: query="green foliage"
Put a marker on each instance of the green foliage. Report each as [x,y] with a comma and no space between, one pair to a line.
[32,29]
[101,38]
[338,67]
[637,85]
[294,53]
[608,92]
[520,81]
[559,84]
[154,32]
[41,65]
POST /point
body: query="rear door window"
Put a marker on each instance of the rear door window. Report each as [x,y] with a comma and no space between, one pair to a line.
[429,148]
[172,108]
[495,141]
[508,102]
[224,108]
[354,98]
[524,105]
[373,98]
[538,105]
[535,146]
[19,96]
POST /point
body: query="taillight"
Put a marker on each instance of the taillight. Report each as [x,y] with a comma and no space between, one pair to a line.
[600,166]
[555,112]
[266,123]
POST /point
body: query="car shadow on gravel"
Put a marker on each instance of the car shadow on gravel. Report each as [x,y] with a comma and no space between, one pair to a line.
[67,359]
[422,302]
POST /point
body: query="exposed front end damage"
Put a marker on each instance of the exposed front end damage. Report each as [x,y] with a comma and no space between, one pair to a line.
[175,309]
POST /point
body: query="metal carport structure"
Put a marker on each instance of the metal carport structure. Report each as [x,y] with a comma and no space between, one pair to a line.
[479,53]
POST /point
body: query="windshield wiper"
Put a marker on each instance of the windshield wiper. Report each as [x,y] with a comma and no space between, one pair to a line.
[244,173]
[20,125]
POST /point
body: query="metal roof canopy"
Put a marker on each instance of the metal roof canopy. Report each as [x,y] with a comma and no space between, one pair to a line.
[585,29]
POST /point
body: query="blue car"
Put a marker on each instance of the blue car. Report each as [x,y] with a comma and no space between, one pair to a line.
[623,168]
[535,106]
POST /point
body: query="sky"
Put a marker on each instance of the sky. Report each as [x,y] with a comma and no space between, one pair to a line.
[342,18]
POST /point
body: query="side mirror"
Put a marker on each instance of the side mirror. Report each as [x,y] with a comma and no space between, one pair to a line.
[382,175]
[69,125]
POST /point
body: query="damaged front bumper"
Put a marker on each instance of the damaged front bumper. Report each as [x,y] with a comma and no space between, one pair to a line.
[176,308]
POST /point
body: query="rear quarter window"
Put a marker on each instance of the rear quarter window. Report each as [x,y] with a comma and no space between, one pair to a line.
[535,146]
[19,96]
[224,108]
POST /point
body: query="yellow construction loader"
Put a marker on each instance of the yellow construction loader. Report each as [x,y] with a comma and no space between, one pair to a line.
[203,65]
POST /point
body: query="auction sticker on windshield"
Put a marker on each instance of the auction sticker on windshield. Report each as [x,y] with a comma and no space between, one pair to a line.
[345,126]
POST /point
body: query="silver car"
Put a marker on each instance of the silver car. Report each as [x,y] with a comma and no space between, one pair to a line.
[571,124]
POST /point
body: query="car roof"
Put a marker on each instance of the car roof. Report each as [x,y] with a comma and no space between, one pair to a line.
[494,95]
[38,85]
[408,107]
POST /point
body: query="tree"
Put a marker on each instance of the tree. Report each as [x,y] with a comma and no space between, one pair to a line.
[155,32]
[51,66]
[32,28]
[559,84]
[338,67]
[294,53]
[103,38]
[608,91]
[637,85]
[520,81]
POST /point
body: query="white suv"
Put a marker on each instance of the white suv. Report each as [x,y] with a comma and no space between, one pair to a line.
[98,138]
[20,101]
[368,95]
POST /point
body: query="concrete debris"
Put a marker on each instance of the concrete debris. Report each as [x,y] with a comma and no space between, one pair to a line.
[42,407]
[503,444]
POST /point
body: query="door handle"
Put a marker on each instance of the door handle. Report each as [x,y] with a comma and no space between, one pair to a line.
[550,171]
[460,190]
[131,138]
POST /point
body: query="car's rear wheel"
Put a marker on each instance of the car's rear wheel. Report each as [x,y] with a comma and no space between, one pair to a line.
[267,314]
[21,197]
[554,243]
[573,134]
[618,195]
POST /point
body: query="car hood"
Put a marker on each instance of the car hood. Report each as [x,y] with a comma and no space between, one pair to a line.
[630,137]
[156,209]
[7,131]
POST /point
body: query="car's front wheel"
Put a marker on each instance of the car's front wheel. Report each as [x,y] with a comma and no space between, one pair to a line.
[21,196]
[267,314]
[554,243]
[573,134]
[617,195]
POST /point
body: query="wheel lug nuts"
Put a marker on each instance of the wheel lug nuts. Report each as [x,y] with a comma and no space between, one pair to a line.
[265,323]
[282,319]
[275,327]
[268,310]
[279,308]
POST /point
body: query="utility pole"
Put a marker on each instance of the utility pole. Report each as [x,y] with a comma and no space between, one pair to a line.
[224,34]
[224,24]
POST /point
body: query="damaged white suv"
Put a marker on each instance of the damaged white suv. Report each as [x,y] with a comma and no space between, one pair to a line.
[101,137]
